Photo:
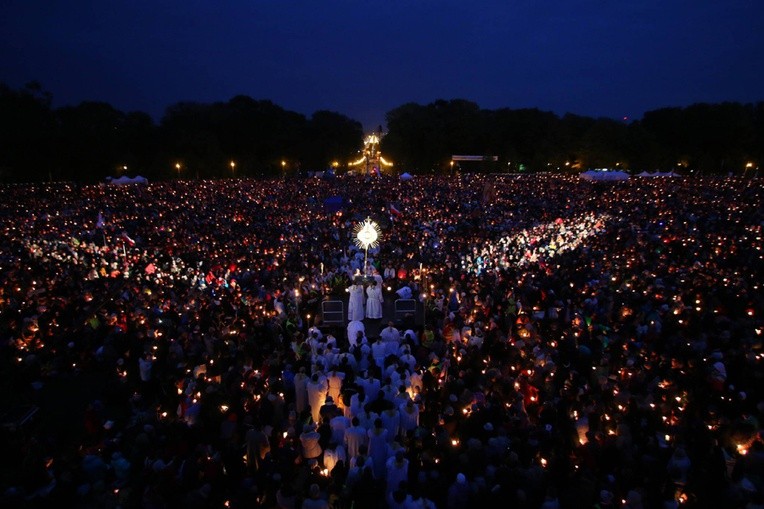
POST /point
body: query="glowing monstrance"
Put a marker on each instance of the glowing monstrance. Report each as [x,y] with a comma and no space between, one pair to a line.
[366,236]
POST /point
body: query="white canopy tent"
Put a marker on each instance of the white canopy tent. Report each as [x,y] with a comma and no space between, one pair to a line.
[406,176]
[658,174]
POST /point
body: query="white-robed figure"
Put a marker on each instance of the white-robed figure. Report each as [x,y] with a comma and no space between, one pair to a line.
[397,471]
[355,303]
[353,328]
[374,300]
[317,389]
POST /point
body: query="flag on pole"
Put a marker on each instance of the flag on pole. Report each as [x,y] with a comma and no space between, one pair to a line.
[127,239]
[395,211]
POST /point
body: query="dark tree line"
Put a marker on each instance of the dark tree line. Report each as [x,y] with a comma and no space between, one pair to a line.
[93,140]
[704,138]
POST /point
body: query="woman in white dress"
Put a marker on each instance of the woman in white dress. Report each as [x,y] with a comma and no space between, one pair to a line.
[355,304]
[374,301]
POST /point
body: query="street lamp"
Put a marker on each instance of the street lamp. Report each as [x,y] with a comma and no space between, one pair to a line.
[451,164]
[283,168]
[233,167]
[177,168]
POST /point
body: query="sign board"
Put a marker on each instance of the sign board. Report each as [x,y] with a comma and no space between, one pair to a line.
[474,158]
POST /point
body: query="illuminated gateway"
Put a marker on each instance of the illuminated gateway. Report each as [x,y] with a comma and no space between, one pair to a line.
[371,160]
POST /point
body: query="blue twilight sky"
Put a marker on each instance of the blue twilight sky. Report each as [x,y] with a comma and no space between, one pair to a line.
[611,58]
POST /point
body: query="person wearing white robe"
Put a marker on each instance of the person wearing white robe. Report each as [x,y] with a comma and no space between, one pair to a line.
[355,436]
[391,421]
[378,448]
[367,419]
[334,455]
[354,327]
[391,334]
[374,301]
[397,471]
[339,424]
[357,402]
[355,303]
[377,277]
[314,331]
[409,413]
[309,441]
[358,464]
[317,389]
[334,380]
[379,351]
[407,359]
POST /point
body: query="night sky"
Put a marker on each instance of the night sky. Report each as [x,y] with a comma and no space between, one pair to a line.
[610,58]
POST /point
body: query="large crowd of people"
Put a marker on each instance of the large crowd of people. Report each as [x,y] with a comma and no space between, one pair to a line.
[582,344]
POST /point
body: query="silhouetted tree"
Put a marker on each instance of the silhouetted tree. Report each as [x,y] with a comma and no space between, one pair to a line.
[329,137]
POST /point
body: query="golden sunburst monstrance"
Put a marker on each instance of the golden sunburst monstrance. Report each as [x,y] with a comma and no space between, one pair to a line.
[366,236]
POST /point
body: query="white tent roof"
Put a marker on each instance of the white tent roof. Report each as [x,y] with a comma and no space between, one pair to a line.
[406,176]
[658,174]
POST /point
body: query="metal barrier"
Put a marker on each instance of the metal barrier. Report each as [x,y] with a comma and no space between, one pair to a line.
[404,307]
[333,312]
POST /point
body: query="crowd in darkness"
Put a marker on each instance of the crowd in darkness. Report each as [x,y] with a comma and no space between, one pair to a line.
[583,344]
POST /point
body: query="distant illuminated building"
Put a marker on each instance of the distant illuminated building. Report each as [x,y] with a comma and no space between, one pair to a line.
[371,159]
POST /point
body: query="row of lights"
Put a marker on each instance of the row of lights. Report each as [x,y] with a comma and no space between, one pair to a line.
[178,166]
[335,164]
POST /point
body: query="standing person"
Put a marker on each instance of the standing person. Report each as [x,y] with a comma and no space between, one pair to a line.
[317,389]
[309,437]
[374,301]
[390,334]
[354,327]
[355,436]
[378,448]
[334,380]
[391,337]
[459,493]
[397,470]
[356,304]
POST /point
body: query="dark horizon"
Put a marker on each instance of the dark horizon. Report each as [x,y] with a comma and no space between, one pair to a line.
[593,59]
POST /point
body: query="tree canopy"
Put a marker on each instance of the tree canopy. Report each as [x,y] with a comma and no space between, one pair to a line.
[249,137]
